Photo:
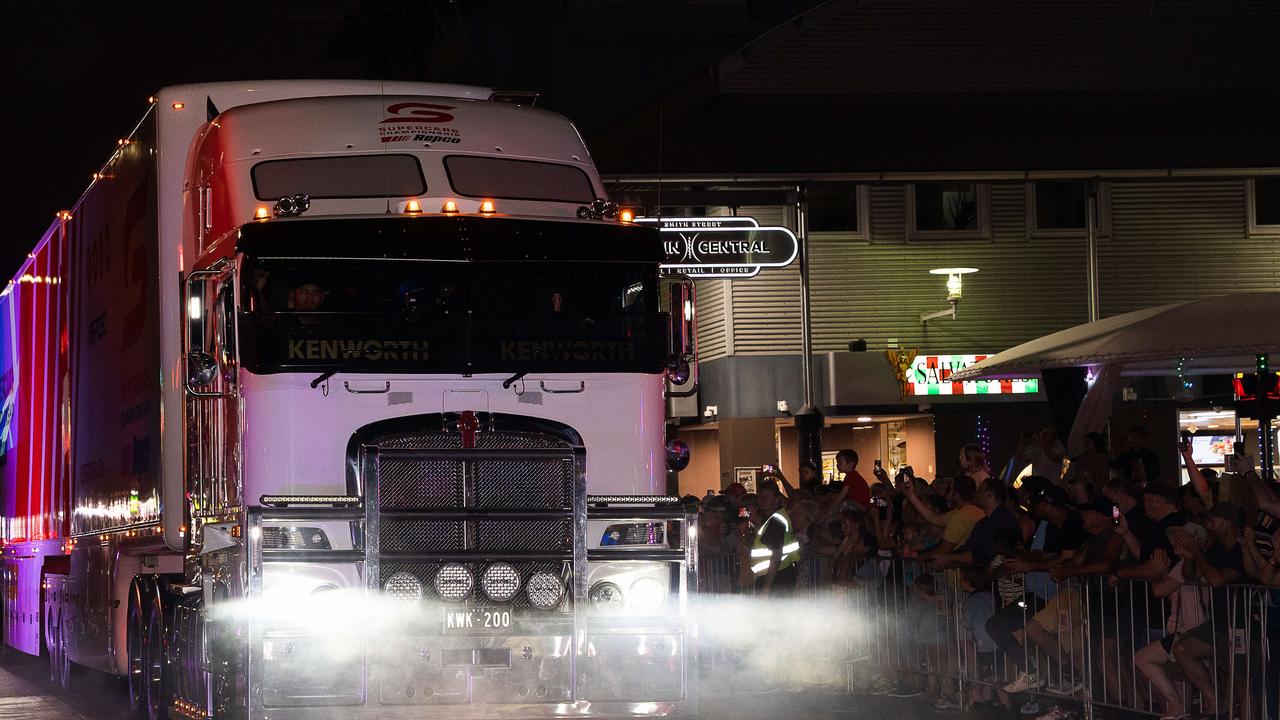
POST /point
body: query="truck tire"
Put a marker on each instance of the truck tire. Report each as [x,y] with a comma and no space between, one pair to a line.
[135,626]
[145,645]
[155,688]
[59,661]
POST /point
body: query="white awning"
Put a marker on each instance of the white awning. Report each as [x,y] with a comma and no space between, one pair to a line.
[1214,335]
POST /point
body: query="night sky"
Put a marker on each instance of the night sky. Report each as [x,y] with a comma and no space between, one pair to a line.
[79,77]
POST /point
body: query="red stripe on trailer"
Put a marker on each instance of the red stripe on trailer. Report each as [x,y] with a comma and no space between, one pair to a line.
[41,408]
[26,360]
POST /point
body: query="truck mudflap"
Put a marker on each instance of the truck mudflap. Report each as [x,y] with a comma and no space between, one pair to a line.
[335,625]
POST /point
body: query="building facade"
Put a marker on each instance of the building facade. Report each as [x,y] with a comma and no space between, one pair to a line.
[895,138]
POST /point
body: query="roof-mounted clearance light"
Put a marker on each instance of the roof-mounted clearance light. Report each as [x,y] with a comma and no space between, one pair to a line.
[449,207]
[262,213]
[626,215]
[179,105]
[487,207]
[413,207]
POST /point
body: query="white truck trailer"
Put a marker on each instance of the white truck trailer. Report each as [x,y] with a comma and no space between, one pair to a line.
[346,399]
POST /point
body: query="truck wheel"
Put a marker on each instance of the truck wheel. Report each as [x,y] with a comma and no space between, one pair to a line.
[134,641]
[155,699]
[59,661]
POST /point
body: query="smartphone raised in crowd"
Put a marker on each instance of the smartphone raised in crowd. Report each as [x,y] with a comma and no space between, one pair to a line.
[1115,514]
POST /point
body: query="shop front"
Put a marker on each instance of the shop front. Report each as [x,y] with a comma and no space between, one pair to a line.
[898,407]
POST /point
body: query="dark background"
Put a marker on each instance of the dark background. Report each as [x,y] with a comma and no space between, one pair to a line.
[80,74]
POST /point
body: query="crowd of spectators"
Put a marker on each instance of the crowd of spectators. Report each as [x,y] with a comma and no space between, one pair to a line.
[1159,557]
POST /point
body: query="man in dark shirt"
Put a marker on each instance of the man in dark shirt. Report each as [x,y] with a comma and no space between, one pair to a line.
[980,548]
[1139,463]
[1128,498]
[1221,564]
[1064,535]
[1066,531]
[1160,506]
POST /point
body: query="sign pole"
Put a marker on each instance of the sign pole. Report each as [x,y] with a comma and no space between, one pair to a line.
[808,420]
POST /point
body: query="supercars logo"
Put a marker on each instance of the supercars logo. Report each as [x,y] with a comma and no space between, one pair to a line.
[418,113]
[418,122]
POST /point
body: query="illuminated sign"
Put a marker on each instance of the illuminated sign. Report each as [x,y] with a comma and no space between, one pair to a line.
[719,247]
[931,375]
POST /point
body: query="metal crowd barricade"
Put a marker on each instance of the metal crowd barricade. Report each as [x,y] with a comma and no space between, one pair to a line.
[1092,644]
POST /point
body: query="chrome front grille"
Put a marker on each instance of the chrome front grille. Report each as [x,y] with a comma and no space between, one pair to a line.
[410,484]
[419,536]
[510,499]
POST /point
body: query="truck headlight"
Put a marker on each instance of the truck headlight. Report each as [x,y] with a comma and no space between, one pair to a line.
[606,598]
[545,590]
[403,587]
[646,596]
[500,581]
[454,582]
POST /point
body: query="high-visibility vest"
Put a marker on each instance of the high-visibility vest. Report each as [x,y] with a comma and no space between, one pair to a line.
[761,554]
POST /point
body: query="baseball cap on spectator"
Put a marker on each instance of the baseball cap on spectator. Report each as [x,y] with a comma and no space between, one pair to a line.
[1228,511]
[1055,496]
[1194,530]
[1162,489]
[716,503]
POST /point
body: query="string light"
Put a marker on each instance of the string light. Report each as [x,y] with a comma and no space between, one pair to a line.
[1182,363]
[982,432]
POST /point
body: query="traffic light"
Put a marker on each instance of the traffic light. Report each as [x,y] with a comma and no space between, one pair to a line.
[1247,388]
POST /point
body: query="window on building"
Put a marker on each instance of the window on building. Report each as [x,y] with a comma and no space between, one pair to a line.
[836,208]
[947,210]
[1264,206]
[1061,205]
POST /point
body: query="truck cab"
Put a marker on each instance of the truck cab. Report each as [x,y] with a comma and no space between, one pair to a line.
[426,367]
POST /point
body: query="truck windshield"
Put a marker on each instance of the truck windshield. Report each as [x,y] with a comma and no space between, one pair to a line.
[449,316]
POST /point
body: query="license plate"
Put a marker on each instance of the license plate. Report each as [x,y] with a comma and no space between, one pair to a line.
[477,620]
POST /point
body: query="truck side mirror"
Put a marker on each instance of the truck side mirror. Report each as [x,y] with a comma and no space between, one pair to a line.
[683,332]
[201,368]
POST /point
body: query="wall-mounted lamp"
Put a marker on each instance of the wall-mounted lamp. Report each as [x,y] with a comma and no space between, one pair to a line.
[954,285]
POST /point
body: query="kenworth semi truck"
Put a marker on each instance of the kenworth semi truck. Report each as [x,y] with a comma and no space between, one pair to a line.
[346,399]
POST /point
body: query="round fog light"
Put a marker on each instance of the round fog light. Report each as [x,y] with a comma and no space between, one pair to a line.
[403,587]
[545,590]
[606,597]
[454,582]
[500,582]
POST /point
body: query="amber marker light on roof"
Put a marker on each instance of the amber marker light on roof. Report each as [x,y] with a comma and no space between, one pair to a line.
[413,206]
[487,207]
[179,105]
[449,207]
[262,213]
[626,215]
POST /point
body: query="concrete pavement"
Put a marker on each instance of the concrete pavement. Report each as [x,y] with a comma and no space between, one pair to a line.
[21,698]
